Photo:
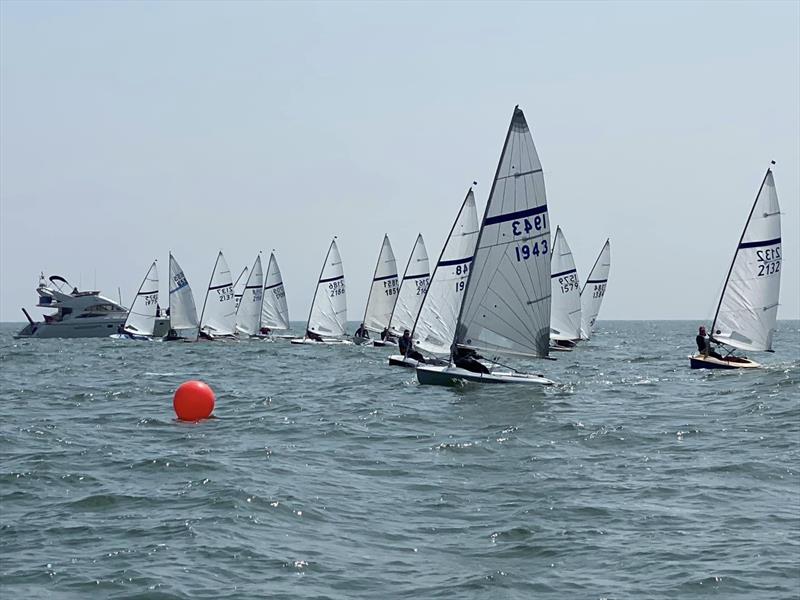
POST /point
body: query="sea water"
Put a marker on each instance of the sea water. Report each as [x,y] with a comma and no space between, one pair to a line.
[329,474]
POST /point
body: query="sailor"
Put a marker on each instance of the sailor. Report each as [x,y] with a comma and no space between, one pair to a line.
[265,331]
[704,344]
[467,358]
[362,332]
[313,336]
[386,335]
[406,345]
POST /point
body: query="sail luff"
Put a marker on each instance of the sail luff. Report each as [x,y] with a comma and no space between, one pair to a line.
[316,289]
[205,300]
[274,310]
[145,319]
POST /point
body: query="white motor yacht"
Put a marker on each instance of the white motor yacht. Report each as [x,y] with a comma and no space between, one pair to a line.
[78,314]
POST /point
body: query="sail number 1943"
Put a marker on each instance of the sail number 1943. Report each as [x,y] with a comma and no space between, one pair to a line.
[524,226]
[525,251]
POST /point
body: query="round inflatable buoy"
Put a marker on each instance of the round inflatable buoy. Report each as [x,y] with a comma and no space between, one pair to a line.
[193,401]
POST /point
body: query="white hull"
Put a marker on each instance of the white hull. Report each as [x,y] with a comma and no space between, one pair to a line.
[398,360]
[384,343]
[452,375]
[698,361]
[74,328]
[324,342]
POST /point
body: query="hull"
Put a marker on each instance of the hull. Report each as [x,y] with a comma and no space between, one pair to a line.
[451,375]
[73,328]
[324,342]
[384,343]
[361,341]
[398,360]
[699,361]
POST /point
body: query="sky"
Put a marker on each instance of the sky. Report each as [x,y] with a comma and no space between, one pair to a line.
[129,129]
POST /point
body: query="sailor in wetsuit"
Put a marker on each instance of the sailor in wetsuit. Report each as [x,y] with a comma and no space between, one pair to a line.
[362,332]
[467,359]
[406,345]
[313,336]
[704,344]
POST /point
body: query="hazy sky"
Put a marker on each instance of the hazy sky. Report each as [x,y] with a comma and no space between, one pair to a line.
[131,128]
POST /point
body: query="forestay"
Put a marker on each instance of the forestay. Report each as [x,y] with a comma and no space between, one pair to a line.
[565,314]
[384,289]
[593,291]
[142,315]
[238,288]
[218,317]
[274,310]
[412,289]
[182,309]
[248,314]
[748,307]
[436,324]
[506,307]
[328,314]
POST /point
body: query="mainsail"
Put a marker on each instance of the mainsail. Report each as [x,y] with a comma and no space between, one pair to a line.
[593,291]
[238,288]
[506,306]
[218,316]
[436,324]
[182,310]
[565,314]
[412,289]
[248,313]
[142,315]
[274,311]
[748,306]
[328,315]
[383,292]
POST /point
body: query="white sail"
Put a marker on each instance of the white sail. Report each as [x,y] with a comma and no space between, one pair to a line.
[565,313]
[274,311]
[218,316]
[594,288]
[248,314]
[412,289]
[142,315]
[238,288]
[506,307]
[328,315]
[436,324]
[384,289]
[748,307]
[182,310]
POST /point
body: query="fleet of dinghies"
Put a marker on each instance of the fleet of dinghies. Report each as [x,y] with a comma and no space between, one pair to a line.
[501,287]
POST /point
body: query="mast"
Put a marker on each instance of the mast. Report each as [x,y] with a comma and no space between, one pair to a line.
[736,253]
[205,300]
[316,289]
[483,221]
[436,266]
[377,264]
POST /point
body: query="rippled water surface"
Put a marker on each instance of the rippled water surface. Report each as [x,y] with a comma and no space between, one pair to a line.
[328,474]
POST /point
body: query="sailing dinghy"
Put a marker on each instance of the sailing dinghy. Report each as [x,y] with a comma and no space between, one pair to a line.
[274,310]
[412,290]
[328,315]
[183,323]
[565,312]
[382,293]
[593,291]
[748,306]
[506,304]
[248,311]
[218,317]
[435,326]
[141,320]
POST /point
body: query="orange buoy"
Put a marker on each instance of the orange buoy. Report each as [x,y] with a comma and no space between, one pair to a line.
[193,401]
